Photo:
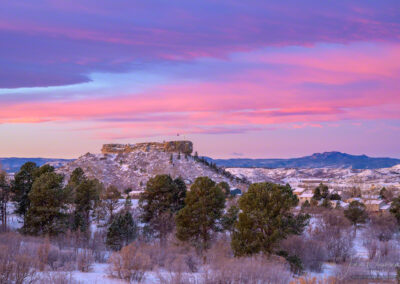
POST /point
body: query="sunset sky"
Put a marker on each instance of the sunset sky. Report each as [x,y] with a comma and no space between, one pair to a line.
[247,78]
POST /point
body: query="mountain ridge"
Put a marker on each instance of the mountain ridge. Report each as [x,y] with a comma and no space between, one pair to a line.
[332,159]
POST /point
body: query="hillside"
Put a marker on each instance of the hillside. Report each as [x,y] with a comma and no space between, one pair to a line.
[133,168]
[317,160]
[336,178]
[12,165]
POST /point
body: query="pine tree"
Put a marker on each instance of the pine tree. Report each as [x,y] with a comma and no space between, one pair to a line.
[321,192]
[326,203]
[225,188]
[265,219]
[395,209]
[229,219]
[47,211]
[159,203]
[356,213]
[122,231]
[382,193]
[204,205]
[21,186]
[306,204]
[110,200]
[86,194]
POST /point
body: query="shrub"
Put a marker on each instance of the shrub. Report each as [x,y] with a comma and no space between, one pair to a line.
[129,264]
[85,260]
[251,270]
[312,253]
[15,266]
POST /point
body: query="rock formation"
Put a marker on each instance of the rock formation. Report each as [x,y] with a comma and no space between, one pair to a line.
[131,166]
[184,147]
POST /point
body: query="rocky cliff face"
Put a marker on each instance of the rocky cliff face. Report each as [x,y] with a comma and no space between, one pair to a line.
[131,166]
[185,147]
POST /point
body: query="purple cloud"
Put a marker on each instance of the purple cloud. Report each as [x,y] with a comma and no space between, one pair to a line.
[53,43]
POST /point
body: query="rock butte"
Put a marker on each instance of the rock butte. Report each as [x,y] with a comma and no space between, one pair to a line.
[185,147]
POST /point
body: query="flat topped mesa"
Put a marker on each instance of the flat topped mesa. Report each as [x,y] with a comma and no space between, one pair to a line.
[185,147]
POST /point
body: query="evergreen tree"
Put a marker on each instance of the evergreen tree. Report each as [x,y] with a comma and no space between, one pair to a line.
[306,204]
[21,186]
[122,231]
[110,200]
[225,188]
[335,196]
[128,203]
[326,203]
[382,193]
[76,178]
[229,219]
[395,209]
[47,211]
[321,192]
[356,213]
[159,203]
[265,219]
[204,205]
[86,194]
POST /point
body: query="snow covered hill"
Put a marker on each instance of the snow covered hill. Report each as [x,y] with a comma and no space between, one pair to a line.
[133,169]
[364,179]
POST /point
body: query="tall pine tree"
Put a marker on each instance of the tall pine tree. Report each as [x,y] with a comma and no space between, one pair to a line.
[21,186]
[265,219]
[204,207]
[122,231]
[47,211]
[160,201]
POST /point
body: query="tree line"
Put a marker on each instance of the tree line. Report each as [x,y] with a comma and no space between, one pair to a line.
[261,218]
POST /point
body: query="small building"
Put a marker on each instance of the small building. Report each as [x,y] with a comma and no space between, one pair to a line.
[298,190]
[235,192]
[385,207]
[305,197]
[374,205]
[351,199]
[371,197]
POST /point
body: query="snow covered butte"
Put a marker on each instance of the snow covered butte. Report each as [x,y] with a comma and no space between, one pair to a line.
[185,147]
[131,166]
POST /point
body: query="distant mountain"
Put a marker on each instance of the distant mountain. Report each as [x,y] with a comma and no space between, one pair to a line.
[12,165]
[317,160]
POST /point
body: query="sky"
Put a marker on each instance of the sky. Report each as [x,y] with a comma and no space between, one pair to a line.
[263,79]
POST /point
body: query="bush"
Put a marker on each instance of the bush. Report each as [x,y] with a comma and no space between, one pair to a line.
[251,270]
[382,226]
[334,232]
[85,260]
[129,264]
[312,253]
[15,265]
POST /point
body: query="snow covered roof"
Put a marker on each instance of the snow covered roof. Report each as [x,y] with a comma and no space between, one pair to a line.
[306,195]
[385,207]
[373,202]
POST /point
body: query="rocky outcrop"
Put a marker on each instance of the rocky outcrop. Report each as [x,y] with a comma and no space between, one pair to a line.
[184,147]
[132,166]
